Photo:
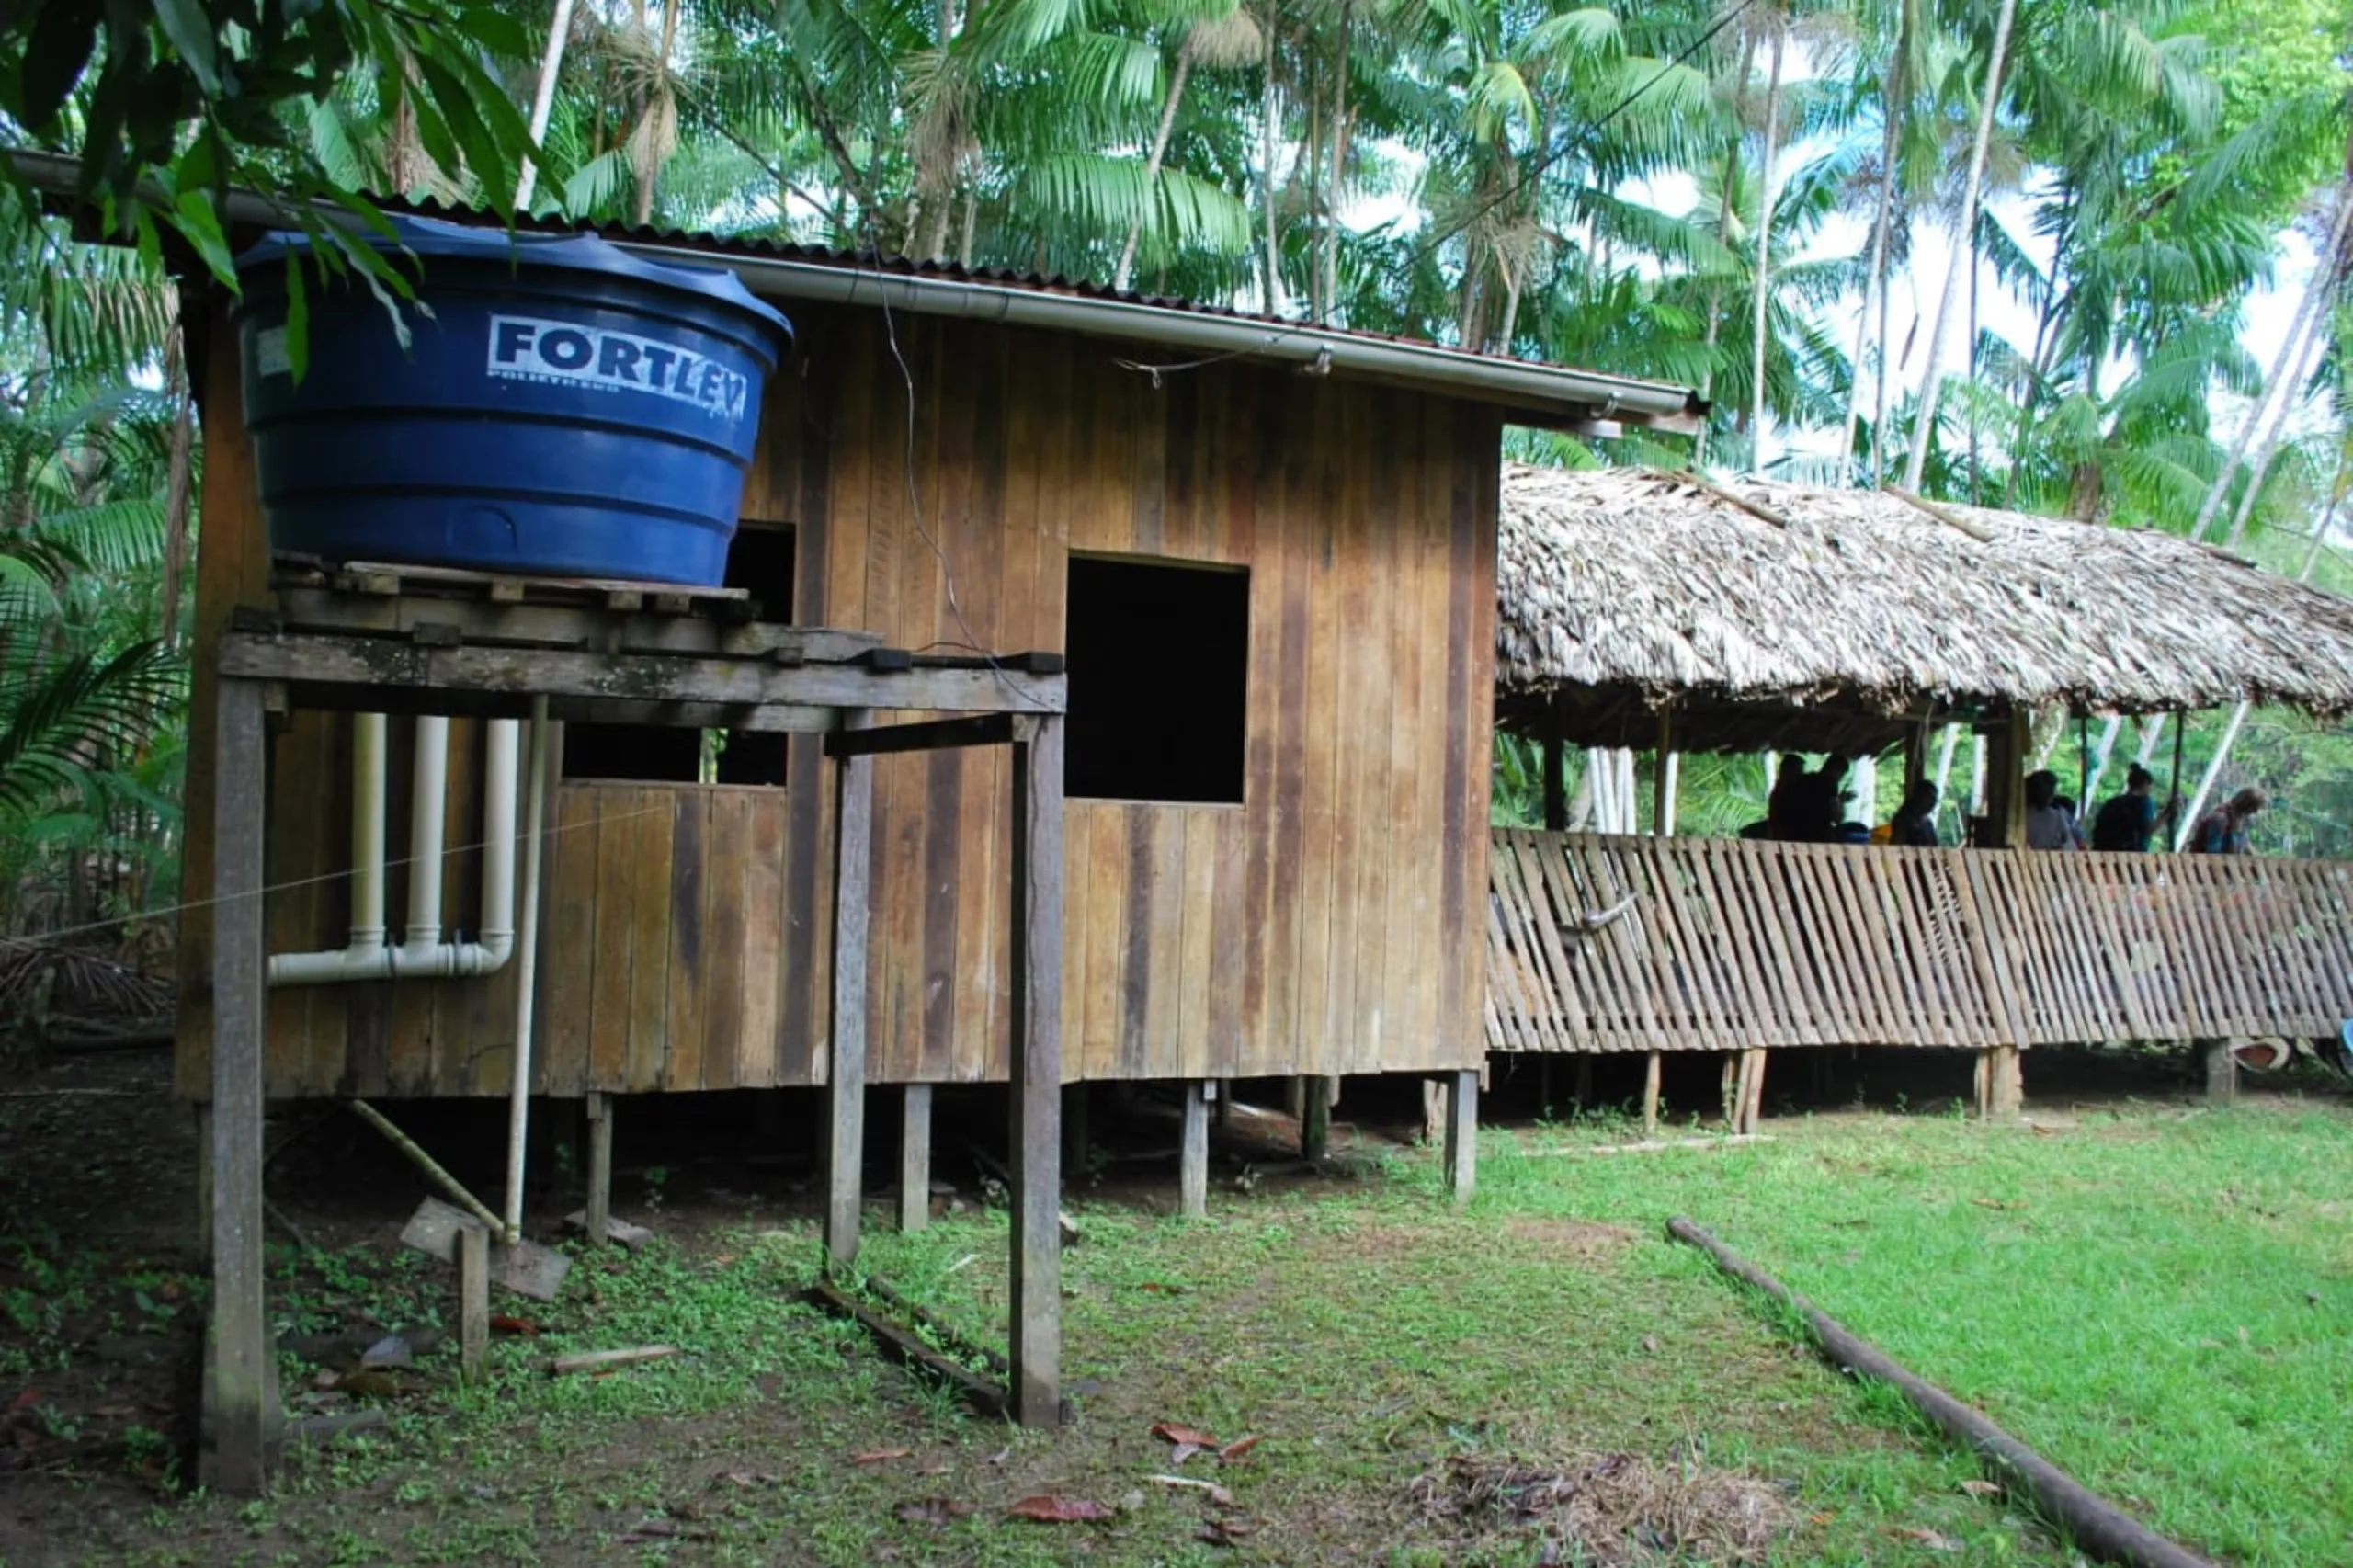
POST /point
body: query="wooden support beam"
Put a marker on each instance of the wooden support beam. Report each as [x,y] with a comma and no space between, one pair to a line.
[1729,1092]
[1035,987]
[1752,1091]
[1650,1093]
[915,1157]
[846,1076]
[1433,1111]
[366,667]
[1193,1154]
[1462,1135]
[244,1422]
[1556,766]
[2221,1071]
[600,1169]
[1666,771]
[473,1302]
[1316,1116]
[936,734]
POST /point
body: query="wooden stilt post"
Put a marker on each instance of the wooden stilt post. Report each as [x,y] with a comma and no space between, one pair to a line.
[1224,1101]
[1315,1116]
[1295,1098]
[243,1382]
[1193,1154]
[1433,1111]
[1752,1099]
[473,1301]
[601,1168]
[1035,989]
[1729,1094]
[2222,1073]
[846,1080]
[1650,1093]
[1462,1135]
[204,1183]
[2004,1084]
[915,1158]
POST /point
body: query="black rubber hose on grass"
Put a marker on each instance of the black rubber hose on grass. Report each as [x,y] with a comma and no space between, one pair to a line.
[2092,1522]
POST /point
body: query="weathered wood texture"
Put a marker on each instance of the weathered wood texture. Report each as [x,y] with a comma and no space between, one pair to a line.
[1736,945]
[1329,924]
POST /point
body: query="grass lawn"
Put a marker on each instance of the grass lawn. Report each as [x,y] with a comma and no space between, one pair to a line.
[2154,1299]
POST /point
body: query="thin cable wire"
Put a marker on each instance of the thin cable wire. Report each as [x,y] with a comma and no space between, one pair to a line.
[52,938]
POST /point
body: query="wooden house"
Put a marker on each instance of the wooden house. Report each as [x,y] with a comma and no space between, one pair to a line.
[1267,552]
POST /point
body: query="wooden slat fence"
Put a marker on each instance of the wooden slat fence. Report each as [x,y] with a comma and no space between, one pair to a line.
[1601,943]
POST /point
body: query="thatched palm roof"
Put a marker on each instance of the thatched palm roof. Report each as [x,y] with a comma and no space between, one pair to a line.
[1623,592]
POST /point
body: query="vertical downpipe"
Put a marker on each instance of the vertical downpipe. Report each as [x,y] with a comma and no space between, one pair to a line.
[527,962]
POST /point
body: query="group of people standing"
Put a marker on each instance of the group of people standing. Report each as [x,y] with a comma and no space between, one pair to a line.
[1807,806]
[2129,822]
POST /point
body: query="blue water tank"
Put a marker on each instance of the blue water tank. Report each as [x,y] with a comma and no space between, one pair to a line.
[562,408]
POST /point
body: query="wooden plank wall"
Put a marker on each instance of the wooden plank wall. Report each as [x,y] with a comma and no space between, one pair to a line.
[1330,923]
[1600,944]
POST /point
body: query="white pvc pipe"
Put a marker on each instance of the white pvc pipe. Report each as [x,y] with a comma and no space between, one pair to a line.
[368,831]
[518,1098]
[428,807]
[421,954]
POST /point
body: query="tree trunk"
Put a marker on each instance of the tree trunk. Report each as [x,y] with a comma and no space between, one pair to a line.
[1126,268]
[2323,281]
[2300,368]
[1340,165]
[1875,282]
[1763,283]
[1269,135]
[177,489]
[1916,465]
[1723,239]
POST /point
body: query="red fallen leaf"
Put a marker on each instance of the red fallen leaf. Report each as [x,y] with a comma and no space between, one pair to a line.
[933,1511]
[1236,1448]
[1157,1289]
[1174,1433]
[1048,1510]
[502,1324]
[25,1401]
[878,1455]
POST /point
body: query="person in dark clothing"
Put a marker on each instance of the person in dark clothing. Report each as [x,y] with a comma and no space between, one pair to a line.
[2048,825]
[2129,821]
[1916,825]
[1783,807]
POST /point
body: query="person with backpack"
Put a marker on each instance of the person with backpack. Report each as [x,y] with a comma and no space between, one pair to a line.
[2129,821]
[2222,831]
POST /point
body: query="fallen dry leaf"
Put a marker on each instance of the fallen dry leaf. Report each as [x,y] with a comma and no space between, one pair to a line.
[1157,1289]
[1001,1456]
[933,1511]
[501,1323]
[1981,1488]
[25,1401]
[1239,1447]
[1048,1510]
[879,1456]
[1174,1433]
[116,1410]
[1222,1533]
[1184,1451]
[1217,1494]
[746,1478]
[1650,1343]
[1930,1539]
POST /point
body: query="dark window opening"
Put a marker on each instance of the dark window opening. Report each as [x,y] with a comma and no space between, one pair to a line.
[759,561]
[1159,676]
